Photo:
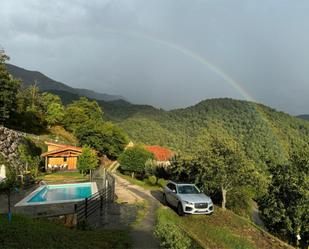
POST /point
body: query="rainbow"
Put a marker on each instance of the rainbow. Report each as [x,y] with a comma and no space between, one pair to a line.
[225,76]
[191,54]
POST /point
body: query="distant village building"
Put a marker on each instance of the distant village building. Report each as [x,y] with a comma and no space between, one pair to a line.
[61,157]
[162,155]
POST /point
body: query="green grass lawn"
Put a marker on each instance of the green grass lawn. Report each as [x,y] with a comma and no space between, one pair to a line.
[221,230]
[142,183]
[24,232]
[64,177]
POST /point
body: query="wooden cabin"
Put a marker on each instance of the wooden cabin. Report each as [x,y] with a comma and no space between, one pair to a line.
[61,157]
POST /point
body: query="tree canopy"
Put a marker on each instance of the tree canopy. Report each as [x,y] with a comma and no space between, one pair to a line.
[134,159]
[88,160]
[8,90]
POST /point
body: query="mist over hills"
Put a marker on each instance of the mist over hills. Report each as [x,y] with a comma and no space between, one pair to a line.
[45,83]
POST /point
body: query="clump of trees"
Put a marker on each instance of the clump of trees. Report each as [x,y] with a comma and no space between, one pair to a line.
[133,160]
[8,90]
[220,166]
[285,206]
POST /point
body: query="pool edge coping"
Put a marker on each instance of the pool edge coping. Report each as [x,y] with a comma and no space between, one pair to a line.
[24,202]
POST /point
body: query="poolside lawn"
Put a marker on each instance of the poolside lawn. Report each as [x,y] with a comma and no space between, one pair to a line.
[64,177]
[24,232]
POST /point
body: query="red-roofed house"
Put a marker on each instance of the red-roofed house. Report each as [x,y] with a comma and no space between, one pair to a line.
[162,155]
[61,157]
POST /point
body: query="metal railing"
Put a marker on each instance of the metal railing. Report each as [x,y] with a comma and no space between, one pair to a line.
[98,201]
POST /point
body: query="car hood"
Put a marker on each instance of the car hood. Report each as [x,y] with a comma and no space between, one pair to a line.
[195,198]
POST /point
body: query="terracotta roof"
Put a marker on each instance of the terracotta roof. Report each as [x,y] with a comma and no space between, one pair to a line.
[160,153]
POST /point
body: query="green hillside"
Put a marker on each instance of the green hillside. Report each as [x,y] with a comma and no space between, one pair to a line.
[44,83]
[221,230]
[264,133]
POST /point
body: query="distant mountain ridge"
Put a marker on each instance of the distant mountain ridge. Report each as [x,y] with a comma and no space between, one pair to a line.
[45,83]
[304,116]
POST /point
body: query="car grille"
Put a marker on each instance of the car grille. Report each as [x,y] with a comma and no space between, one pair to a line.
[201,205]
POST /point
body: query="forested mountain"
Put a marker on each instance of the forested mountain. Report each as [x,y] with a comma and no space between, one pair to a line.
[45,83]
[265,134]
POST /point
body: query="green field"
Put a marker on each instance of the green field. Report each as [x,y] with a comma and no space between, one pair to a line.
[24,232]
[64,177]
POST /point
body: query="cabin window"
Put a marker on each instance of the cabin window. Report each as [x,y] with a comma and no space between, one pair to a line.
[65,159]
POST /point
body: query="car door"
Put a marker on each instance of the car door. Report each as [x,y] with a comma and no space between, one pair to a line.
[173,200]
[170,187]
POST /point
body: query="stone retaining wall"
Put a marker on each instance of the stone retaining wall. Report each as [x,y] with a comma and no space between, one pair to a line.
[9,142]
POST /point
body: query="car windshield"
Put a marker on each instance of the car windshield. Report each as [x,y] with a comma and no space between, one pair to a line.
[188,189]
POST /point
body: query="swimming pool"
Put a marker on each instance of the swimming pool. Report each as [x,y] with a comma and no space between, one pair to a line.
[59,193]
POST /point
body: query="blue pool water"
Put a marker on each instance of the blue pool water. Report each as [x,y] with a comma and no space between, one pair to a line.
[63,192]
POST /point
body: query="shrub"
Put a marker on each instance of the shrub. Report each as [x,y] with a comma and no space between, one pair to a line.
[170,233]
[239,201]
[161,182]
[171,236]
[134,159]
[150,167]
[152,180]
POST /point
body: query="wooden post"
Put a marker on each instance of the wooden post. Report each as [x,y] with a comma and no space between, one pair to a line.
[104,178]
[46,163]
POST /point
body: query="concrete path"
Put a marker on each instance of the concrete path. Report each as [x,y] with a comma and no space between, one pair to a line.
[142,234]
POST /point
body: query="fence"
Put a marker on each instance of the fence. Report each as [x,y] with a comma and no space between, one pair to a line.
[98,201]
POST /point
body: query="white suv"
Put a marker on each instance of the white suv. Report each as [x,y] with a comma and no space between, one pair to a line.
[187,198]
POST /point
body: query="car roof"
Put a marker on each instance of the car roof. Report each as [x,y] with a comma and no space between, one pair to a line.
[181,183]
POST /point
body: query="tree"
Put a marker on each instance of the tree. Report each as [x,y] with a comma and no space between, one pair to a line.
[80,112]
[88,160]
[7,186]
[8,90]
[54,110]
[107,138]
[29,154]
[133,160]
[74,117]
[285,207]
[30,109]
[225,165]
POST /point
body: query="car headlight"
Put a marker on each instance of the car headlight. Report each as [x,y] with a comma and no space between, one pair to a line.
[189,203]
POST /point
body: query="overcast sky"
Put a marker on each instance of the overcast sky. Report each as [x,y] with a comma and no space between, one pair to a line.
[167,53]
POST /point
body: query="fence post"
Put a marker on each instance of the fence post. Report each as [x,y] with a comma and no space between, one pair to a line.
[75,215]
[86,208]
[104,178]
[101,205]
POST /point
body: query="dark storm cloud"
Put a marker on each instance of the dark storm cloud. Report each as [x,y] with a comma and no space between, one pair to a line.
[147,50]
